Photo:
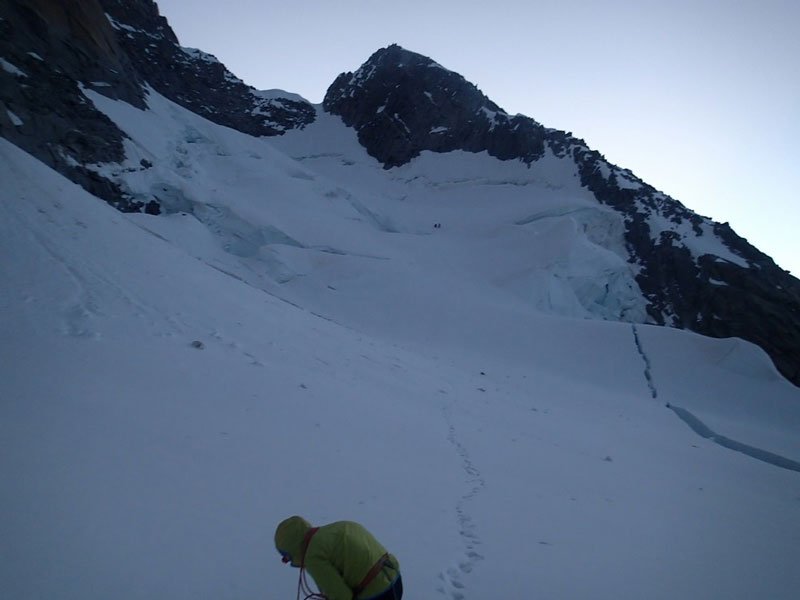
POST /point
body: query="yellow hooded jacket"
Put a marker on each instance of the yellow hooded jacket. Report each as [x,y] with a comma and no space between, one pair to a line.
[338,557]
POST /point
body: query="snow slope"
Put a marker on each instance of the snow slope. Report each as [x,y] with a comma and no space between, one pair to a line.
[456,390]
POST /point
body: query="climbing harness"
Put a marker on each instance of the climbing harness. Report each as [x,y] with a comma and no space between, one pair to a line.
[383,562]
[306,591]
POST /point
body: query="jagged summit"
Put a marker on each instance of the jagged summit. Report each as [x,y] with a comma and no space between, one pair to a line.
[395,54]
[402,103]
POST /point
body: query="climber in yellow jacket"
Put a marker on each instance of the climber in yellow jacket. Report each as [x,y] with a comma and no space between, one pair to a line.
[345,560]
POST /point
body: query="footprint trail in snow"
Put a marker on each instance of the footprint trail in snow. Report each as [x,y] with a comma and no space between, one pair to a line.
[452,578]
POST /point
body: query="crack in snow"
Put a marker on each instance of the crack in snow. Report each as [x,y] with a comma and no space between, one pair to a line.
[704,431]
[647,372]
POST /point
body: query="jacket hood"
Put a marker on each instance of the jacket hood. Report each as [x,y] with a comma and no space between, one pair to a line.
[289,537]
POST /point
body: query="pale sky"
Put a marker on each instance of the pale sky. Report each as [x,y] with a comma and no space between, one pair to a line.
[700,98]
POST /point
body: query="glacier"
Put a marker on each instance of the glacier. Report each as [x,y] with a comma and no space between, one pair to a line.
[487,396]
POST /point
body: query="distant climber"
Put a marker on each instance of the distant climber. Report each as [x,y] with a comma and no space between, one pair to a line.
[345,560]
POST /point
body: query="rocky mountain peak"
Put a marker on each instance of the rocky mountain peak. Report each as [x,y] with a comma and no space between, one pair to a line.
[402,103]
[395,58]
[396,55]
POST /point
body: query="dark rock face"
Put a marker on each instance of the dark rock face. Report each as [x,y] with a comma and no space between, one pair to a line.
[48,48]
[197,80]
[402,103]
[706,294]
[51,49]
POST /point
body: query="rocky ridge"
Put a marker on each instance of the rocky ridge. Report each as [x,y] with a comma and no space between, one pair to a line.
[197,80]
[402,103]
[49,50]
[53,50]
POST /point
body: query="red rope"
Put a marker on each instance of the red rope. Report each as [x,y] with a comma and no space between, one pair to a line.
[302,583]
[304,588]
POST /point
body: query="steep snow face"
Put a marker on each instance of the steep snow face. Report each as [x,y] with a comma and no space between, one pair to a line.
[164,406]
[530,231]
[146,465]
[697,234]
[536,234]
[304,331]
[530,235]
[455,252]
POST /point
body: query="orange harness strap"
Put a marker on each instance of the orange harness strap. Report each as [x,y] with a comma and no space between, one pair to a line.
[371,574]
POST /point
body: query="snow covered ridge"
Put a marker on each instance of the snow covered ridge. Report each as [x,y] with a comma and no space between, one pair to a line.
[131,31]
[276,94]
[200,55]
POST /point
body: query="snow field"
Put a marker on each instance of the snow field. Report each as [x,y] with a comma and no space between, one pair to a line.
[355,364]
